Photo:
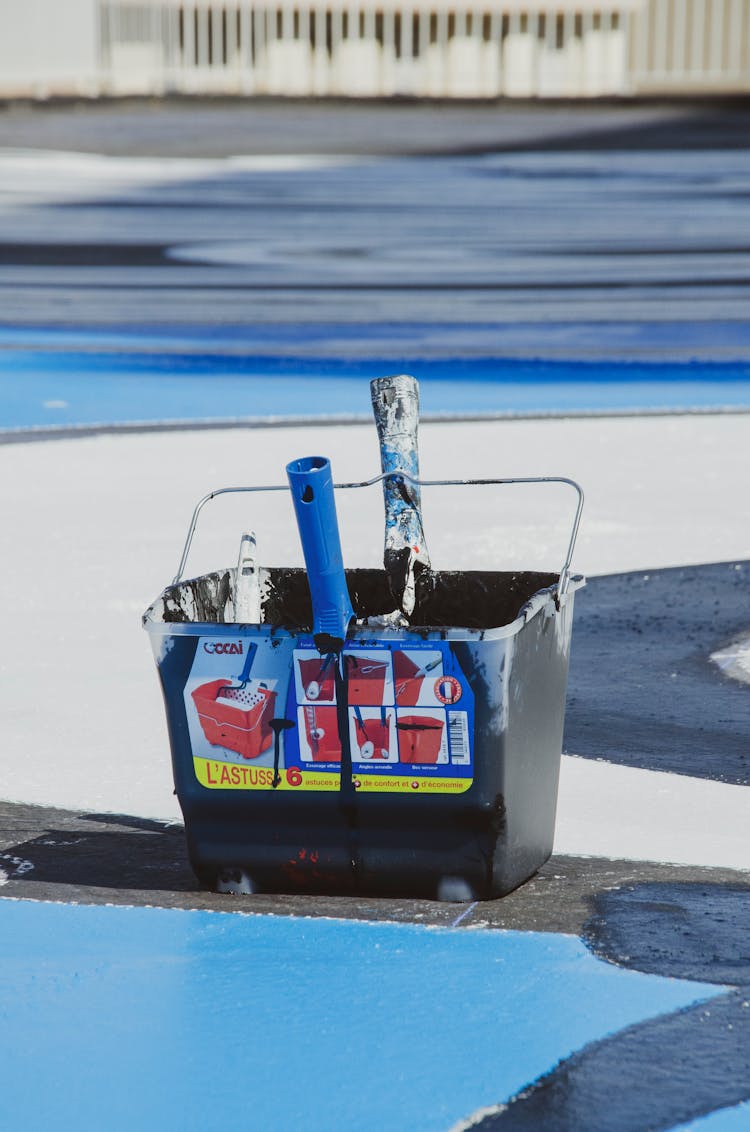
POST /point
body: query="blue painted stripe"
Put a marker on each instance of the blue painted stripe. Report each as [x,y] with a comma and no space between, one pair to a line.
[43,388]
[152,1018]
[611,338]
[725,1120]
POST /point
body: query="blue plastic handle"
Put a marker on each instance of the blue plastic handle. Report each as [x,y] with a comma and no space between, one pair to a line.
[311,484]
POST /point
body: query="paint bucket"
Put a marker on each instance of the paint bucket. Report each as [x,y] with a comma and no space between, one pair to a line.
[468,813]
[419,738]
[236,719]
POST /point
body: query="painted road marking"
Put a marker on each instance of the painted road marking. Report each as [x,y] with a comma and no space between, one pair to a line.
[163,1018]
[577,339]
[77,388]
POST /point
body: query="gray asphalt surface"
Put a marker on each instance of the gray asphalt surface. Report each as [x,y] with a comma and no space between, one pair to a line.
[50,854]
[221,127]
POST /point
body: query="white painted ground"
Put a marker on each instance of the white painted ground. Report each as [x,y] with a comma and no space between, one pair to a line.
[619,811]
[94,527]
[36,176]
[734,660]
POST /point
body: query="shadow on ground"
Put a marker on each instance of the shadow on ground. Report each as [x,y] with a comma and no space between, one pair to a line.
[48,854]
[217,127]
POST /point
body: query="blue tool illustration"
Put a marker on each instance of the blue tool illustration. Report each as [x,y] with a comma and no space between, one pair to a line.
[311,484]
[244,676]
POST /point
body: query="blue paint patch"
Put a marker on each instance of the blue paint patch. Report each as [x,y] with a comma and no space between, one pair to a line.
[152,1018]
[69,388]
[725,1120]
[728,339]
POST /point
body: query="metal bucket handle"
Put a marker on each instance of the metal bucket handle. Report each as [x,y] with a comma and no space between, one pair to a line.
[400,476]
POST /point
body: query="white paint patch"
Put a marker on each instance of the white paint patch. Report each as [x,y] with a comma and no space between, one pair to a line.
[734,660]
[476,1118]
[643,815]
[34,176]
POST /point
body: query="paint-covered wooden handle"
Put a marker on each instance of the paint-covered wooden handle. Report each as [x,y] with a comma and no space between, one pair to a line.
[395,404]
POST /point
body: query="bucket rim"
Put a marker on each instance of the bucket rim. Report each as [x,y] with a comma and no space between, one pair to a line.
[539,601]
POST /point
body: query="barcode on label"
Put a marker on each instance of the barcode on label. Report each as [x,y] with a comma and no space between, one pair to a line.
[458,731]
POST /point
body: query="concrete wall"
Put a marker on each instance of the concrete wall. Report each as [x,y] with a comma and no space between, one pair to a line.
[48,48]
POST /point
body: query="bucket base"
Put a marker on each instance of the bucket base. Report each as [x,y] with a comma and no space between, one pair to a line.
[446,890]
[450,889]
[377,859]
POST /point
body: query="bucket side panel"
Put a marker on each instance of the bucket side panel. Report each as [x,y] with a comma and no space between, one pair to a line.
[536,685]
[485,666]
[174,664]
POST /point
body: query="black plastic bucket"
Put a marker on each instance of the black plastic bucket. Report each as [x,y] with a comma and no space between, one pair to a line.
[459,802]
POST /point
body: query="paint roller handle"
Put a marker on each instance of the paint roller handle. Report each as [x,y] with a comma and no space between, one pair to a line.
[395,406]
[311,485]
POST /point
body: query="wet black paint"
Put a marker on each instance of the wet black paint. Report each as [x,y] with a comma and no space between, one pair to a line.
[59,254]
[642,691]
[684,931]
[648,1078]
[470,599]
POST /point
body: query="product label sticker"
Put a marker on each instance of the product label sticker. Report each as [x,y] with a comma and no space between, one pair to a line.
[263,714]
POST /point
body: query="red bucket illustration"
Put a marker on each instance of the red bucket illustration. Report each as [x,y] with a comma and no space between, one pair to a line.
[322,731]
[420,737]
[317,675]
[408,678]
[366,679]
[373,738]
[236,718]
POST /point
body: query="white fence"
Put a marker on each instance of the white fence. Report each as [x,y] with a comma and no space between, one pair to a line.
[332,49]
[424,48]
[691,45]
